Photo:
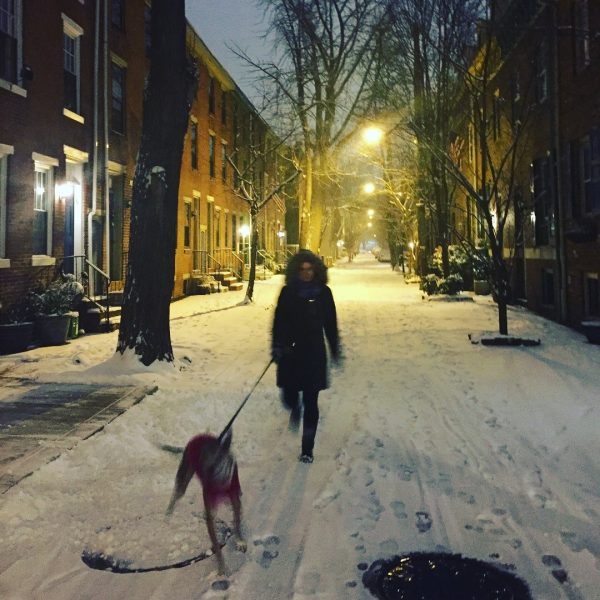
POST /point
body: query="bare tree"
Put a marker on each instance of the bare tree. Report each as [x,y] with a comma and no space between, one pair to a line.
[170,89]
[328,54]
[494,134]
[246,188]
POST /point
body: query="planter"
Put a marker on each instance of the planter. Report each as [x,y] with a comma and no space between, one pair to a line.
[52,330]
[481,287]
[15,337]
[592,331]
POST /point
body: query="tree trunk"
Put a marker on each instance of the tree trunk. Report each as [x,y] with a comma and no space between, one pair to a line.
[149,282]
[306,204]
[253,253]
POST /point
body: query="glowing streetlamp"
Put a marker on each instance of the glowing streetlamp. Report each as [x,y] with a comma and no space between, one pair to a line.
[372,135]
[368,188]
[370,213]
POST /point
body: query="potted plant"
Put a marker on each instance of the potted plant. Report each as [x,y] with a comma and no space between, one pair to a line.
[16,327]
[53,307]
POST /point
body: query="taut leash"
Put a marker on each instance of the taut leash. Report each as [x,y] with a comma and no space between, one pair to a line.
[237,412]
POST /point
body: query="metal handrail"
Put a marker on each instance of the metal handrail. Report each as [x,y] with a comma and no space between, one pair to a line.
[90,276]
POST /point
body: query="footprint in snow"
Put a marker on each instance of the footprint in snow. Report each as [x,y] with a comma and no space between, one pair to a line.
[423,521]
[399,509]
[553,562]
[268,554]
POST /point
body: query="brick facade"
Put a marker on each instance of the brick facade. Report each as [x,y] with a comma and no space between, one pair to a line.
[36,125]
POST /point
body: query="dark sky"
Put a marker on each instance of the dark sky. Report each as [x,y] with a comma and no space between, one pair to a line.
[233,22]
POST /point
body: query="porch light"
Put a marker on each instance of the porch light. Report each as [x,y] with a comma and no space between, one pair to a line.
[244,230]
[66,189]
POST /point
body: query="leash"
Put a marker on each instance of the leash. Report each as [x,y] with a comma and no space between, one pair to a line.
[237,412]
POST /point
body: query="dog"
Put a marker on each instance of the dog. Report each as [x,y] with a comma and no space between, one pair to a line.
[211,459]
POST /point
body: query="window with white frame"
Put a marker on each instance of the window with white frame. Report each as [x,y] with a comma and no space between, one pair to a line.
[543,201]
[212,141]
[590,171]
[10,40]
[117,115]
[71,64]
[43,208]
[223,161]
[187,224]
[541,72]
[592,295]
[4,152]
[581,32]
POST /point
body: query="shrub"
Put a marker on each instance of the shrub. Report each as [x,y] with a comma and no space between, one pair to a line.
[451,285]
[429,284]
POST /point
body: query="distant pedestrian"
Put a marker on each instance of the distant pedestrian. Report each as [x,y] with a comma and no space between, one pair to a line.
[304,316]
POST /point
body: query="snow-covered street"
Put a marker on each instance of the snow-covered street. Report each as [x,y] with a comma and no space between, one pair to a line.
[426,443]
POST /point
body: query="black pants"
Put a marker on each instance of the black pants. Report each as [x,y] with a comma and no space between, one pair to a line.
[311,414]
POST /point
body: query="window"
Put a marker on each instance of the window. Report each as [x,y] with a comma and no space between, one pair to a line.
[211,155]
[43,208]
[581,31]
[187,225]
[217,228]
[590,167]
[541,72]
[10,39]
[194,144]
[234,232]
[223,107]
[223,162]
[4,152]
[147,29]
[571,178]
[71,64]
[592,295]
[211,95]
[118,98]
[548,287]
[117,14]
[226,236]
[542,198]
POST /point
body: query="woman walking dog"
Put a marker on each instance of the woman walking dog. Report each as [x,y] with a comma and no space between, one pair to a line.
[305,311]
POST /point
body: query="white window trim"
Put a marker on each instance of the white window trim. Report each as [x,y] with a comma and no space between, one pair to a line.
[46,163]
[73,115]
[74,31]
[5,150]
[17,88]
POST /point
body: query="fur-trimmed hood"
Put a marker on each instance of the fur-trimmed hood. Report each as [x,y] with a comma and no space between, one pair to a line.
[293,267]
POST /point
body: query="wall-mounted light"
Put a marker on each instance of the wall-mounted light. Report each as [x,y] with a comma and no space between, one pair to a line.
[66,189]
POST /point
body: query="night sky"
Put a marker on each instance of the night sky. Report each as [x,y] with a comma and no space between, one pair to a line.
[233,22]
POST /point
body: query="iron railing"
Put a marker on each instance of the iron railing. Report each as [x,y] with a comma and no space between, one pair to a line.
[95,282]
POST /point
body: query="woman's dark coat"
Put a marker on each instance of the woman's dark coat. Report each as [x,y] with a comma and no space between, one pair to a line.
[301,318]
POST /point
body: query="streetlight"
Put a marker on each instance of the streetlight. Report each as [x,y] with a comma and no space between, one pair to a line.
[372,135]
[370,213]
[368,188]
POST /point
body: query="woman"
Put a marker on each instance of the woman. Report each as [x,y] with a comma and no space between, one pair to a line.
[305,310]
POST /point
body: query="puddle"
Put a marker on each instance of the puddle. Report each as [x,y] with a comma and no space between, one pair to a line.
[438,576]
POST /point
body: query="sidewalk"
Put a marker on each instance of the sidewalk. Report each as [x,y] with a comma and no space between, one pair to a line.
[41,416]
[38,421]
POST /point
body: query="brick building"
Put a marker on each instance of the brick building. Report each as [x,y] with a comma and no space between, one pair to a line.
[72,76]
[546,83]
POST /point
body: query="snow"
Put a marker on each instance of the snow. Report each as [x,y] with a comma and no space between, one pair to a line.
[426,442]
